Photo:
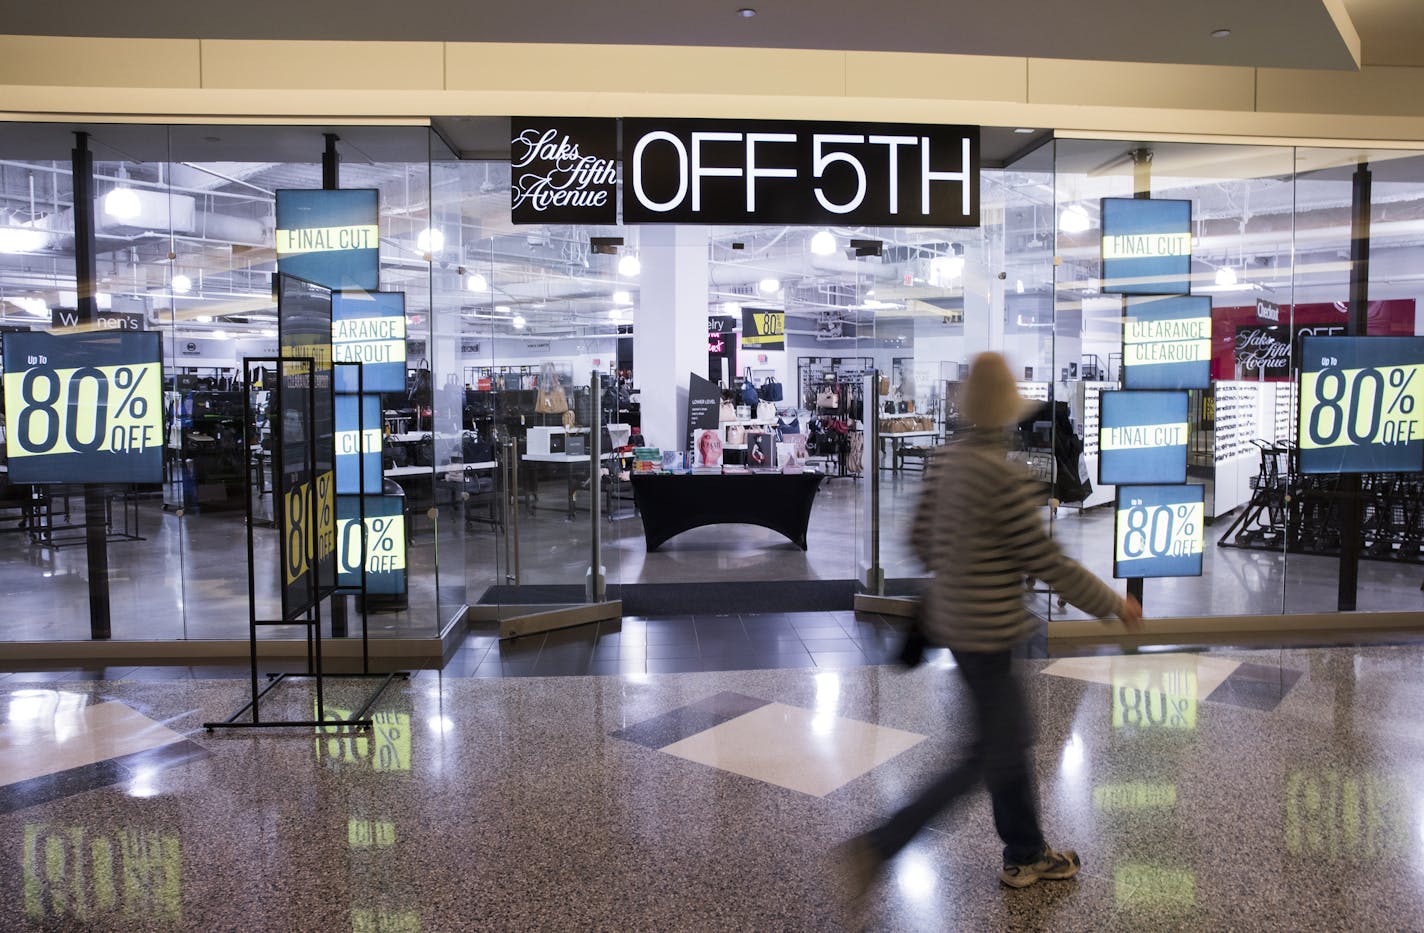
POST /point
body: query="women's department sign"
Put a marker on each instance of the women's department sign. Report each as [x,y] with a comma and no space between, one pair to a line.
[84,408]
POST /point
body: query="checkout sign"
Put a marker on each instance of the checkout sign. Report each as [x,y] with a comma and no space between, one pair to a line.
[1159,531]
[1361,404]
[84,408]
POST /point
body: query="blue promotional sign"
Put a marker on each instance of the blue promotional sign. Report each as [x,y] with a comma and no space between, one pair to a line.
[1166,342]
[1361,404]
[1159,531]
[1142,437]
[385,543]
[330,237]
[369,328]
[1147,246]
[353,435]
[84,408]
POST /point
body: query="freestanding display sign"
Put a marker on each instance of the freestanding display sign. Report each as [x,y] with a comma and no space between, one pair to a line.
[84,408]
[330,237]
[1147,246]
[1361,404]
[1142,437]
[1166,342]
[1159,531]
[305,466]
[384,541]
[369,328]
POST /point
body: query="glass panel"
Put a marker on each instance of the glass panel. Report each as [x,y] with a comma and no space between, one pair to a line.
[1388,569]
[1242,206]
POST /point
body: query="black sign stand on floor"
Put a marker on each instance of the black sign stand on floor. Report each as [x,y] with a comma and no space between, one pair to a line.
[359,720]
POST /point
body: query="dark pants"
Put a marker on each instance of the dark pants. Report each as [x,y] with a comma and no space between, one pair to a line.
[1003,734]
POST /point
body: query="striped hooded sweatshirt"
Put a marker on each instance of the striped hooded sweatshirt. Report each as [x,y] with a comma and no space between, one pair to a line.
[977,529]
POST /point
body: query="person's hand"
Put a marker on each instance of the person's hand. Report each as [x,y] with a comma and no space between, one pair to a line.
[1130,612]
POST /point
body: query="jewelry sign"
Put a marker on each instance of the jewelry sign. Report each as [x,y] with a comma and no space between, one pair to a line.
[564,170]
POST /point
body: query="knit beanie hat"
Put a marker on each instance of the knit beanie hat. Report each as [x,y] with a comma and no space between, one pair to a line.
[991,397]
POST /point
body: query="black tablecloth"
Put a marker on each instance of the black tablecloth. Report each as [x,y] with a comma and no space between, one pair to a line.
[671,504]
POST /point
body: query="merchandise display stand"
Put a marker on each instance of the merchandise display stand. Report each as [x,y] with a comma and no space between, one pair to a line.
[358,720]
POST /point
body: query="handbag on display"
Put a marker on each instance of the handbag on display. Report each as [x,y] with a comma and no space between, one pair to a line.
[736,434]
[890,408]
[884,385]
[784,428]
[728,412]
[827,398]
[551,400]
[765,411]
[748,395]
[770,390]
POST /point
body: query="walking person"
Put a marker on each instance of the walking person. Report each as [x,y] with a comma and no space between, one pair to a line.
[977,530]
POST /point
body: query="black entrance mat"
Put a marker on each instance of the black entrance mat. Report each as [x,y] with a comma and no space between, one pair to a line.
[658,599]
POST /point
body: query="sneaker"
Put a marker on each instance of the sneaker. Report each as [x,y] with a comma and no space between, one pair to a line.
[1050,866]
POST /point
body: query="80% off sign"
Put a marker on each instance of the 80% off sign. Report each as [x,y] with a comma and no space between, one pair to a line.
[91,422]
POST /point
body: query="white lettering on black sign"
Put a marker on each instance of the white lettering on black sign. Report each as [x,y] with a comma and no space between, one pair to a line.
[564,171]
[686,171]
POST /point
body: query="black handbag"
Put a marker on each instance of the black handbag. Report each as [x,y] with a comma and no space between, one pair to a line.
[424,451]
[890,408]
[770,391]
[916,642]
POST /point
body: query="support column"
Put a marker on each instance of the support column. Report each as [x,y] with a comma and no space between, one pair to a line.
[670,339]
[96,531]
[1356,326]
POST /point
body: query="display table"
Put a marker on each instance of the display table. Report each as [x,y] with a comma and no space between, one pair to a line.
[671,504]
[899,440]
[569,463]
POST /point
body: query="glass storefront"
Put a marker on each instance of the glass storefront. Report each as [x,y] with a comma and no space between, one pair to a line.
[517,334]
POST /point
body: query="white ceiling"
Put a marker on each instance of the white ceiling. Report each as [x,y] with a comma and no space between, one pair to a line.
[1267,33]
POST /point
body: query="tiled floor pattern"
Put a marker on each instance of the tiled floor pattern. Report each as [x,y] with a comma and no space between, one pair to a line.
[813,751]
[1254,790]
[1173,676]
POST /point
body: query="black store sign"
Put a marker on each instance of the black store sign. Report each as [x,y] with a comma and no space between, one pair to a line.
[564,170]
[732,172]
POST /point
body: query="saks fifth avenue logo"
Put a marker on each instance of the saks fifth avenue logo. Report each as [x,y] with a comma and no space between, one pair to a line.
[564,173]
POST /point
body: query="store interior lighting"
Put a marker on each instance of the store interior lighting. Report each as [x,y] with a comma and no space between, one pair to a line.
[622,297]
[1226,277]
[1074,219]
[122,203]
[518,322]
[629,266]
[21,240]
[476,282]
[769,285]
[182,285]
[430,240]
[823,243]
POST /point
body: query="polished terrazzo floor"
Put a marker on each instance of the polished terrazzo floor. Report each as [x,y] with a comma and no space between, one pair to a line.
[1223,790]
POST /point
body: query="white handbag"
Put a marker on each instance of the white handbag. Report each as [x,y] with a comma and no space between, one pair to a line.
[766,411]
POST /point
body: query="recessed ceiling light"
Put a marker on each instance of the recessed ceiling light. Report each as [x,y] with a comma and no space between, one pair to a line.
[1023,130]
[1220,33]
[746,12]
